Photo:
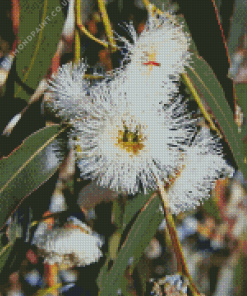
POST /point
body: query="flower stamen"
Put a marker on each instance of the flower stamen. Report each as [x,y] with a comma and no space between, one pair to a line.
[152,63]
[151,57]
[132,142]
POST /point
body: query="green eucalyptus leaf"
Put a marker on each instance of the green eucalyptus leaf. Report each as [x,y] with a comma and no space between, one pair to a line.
[25,169]
[124,287]
[138,238]
[117,211]
[143,269]
[41,24]
[133,206]
[211,92]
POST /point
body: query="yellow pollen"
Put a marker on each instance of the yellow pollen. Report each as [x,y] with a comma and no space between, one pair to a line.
[131,142]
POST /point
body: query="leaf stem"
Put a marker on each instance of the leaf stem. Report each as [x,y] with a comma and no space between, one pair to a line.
[181,263]
[153,8]
[88,34]
[107,25]
[77,48]
[200,104]
[84,30]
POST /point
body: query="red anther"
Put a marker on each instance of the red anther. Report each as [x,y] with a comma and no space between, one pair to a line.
[152,63]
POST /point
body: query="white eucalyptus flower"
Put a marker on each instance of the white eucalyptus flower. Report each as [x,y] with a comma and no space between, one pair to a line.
[159,54]
[142,91]
[69,89]
[201,165]
[126,148]
[73,244]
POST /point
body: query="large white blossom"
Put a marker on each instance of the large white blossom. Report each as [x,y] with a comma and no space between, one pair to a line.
[71,245]
[158,55]
[201,165]
[69,89]
[126,148]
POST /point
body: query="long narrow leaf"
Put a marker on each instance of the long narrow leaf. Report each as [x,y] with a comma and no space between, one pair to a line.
[210,90]
[139,236]
[28,167]
[40,29]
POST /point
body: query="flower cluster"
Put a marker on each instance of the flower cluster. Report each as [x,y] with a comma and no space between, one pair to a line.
[132,130]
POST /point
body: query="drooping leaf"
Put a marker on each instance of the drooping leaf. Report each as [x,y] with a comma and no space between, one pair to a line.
[40,29]
[132,207]
[210,90]
[28,167]
[139,236]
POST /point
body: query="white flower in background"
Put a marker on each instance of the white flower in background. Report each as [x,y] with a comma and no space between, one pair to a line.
[125,148]
[201,165]
[70,245]
[159,55]
[69,89]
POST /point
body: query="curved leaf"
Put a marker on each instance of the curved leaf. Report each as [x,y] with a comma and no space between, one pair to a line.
[40,28]
[131,209]
[138,238]
[28,167]
[210,90]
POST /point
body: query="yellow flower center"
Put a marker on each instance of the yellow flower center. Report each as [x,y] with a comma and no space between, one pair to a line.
[132,142]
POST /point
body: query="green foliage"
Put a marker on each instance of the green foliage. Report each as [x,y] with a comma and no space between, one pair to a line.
[28,167]
[137,240]
[211,92]
[41,23]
